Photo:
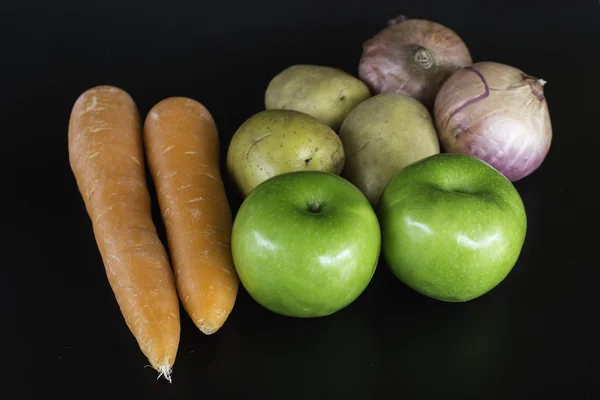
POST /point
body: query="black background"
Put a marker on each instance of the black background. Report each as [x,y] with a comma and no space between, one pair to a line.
[534,335]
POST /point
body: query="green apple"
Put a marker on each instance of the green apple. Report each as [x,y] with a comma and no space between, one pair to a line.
[305,243]
[452,226]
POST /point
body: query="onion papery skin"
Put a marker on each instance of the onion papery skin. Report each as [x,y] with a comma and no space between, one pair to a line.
[497,113]
[413,57]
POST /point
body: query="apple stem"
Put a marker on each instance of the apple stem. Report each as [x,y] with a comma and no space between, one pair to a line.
[314,206]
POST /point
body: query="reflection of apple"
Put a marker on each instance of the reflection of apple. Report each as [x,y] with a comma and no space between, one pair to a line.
[334,355]
[305,244]
[452,226]
[462,349]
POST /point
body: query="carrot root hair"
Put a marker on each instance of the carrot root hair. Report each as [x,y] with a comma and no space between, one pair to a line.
[165,371]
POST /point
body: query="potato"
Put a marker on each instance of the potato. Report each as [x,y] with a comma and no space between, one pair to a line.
[381,136]
[325,93]
[273,142]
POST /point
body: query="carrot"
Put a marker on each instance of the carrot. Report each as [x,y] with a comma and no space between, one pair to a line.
[182,147]
[106,157]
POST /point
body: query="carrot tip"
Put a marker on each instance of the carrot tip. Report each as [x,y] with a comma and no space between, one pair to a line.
[165,371]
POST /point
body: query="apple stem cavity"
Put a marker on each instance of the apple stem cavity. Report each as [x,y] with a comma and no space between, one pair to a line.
[314,206]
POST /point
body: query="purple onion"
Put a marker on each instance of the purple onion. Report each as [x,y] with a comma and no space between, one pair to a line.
[496,113]
[412,57]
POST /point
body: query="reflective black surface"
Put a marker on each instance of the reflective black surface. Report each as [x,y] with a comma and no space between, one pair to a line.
[534,335]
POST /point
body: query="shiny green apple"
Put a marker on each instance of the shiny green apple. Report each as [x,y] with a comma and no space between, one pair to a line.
[452,226]
[306,243]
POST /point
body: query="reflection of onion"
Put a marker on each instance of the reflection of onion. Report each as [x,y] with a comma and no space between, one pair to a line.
[412,57]
[496,113]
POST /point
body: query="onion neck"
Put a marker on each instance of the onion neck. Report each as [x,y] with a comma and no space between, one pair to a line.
[423,58]
[537,86]
[397,20]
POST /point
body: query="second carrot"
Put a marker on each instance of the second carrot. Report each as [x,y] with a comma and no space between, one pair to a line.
[182,148]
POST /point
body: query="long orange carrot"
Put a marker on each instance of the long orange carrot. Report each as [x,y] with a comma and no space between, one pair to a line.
[106,156]
[182,146]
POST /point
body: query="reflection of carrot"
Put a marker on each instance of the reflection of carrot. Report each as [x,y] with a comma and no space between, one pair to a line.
[106,156]
[182,146]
